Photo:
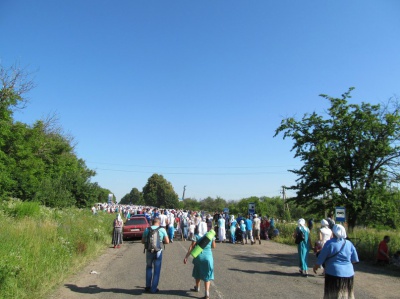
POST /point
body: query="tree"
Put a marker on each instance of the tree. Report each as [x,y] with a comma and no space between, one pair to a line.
[158,192]
[14,84]
[134,197]
[347,156]
[38,162]
[213,205]
[191,204]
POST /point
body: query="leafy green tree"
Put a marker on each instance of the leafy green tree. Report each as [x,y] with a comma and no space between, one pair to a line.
[158,192]
[14,84]
[191,204]
[134,197]
[220,204]
[54,193]
[347,156]
[207,204]
[101,194]
[125,200]
[384,211]
[232,206]
[270,207]
[38,162]
[212,205]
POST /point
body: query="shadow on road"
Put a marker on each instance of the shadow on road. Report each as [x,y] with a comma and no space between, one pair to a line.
[287,260]
[291,259]
[266,272]
[94,289]
[371,267]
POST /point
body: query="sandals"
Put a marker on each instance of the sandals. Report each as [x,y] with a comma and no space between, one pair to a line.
[195,289]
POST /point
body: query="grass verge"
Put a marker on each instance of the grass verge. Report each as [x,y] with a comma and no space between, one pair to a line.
[41,247]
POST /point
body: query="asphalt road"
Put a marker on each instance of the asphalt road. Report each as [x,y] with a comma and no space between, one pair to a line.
[241,271]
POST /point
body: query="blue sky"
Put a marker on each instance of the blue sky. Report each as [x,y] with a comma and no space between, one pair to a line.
[194,90]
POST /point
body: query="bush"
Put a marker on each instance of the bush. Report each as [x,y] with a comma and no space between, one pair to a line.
[19,209]
[46,245]
[366,240]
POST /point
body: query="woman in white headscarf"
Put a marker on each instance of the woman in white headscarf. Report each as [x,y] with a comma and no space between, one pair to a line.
[304,246]
[221,229]
[325,233]
[202,228]
[117,232]
[338,255]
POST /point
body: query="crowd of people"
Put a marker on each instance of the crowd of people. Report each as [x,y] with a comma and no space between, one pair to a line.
[241,230]
[335,253]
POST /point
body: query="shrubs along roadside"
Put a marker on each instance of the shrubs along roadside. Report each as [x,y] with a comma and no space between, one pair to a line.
[41,247]
[365,239]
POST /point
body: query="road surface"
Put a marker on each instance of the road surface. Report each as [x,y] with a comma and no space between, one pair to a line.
[268,270]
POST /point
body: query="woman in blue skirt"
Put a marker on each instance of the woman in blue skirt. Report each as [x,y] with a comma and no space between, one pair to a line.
[203,264]
[303,247]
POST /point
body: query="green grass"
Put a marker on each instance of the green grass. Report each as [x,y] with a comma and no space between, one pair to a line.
[369,239]
[41,247]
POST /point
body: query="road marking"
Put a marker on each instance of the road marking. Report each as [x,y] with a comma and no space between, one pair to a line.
[219,294]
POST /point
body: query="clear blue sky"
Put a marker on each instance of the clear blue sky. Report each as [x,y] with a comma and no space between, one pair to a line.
[194,90]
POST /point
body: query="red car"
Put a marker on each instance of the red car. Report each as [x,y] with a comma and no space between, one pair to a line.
[134,227]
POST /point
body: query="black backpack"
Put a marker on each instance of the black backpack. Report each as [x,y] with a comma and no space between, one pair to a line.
[330,223]
[299,236]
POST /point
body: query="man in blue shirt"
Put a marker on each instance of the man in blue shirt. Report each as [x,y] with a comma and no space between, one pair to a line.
[249,229]
[154,259]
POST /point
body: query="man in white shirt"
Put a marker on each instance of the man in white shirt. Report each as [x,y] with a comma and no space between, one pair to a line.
[163,219]
[256,228]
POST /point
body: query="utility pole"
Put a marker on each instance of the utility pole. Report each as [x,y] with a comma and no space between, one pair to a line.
[285,205]
[184,189]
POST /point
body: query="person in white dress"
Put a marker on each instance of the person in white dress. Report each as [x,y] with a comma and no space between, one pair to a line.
[221,229]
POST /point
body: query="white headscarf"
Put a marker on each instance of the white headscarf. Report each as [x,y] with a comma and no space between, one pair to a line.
[202,228]
[324,223]
[339,231]
[301,222]
[119,217]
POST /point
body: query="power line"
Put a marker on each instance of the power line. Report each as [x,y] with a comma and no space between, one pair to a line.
[195,173]
[194,167]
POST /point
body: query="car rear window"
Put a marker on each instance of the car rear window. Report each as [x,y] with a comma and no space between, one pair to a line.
[136,221]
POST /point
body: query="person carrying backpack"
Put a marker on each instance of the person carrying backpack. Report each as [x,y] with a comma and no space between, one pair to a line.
[153,238]
[184,227]
[303,245]
[331,221]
